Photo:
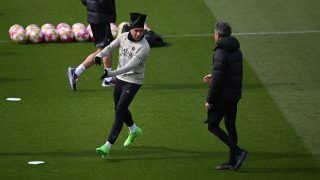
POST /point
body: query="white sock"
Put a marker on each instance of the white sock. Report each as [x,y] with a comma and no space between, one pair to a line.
[108,78]
[108,144]
[132,128]
[79,70]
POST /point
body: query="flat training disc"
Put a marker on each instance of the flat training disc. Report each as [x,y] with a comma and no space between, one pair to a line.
[35,162]
[13,99]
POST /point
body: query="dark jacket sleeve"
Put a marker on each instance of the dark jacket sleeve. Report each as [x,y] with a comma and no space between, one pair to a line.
[84,2]
[218,74]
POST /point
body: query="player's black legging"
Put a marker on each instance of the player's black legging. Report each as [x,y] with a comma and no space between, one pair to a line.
[123,95]
[228,110]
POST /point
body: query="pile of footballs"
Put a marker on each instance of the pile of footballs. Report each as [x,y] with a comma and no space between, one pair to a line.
[50,33]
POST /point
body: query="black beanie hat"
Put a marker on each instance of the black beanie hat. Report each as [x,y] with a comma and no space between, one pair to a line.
[137,20]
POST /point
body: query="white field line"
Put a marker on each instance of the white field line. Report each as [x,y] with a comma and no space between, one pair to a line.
[235,34]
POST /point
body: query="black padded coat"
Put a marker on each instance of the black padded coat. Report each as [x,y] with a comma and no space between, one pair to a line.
[227,72]
[100,11]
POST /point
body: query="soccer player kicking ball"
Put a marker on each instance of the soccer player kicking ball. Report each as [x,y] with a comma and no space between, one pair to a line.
[133,52]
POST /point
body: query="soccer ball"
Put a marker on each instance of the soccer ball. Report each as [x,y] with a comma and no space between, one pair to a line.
[19,36]
[49,32]
[47,26]
[146,27]
[77,26]
[30,27]
[35,35]
[81,35]
[50,35]
[80,32]
[114,30]
[90,32]
[65,34]
[62,26]
[13,29]
[120,28]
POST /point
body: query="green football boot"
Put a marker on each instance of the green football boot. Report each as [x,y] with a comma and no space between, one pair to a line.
[132,136]
[103,150]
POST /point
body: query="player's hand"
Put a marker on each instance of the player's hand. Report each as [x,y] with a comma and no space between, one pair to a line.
[207,106]
[105,74]
[97,60]
[207,78]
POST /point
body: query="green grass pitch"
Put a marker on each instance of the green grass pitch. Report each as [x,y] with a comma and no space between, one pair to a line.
[63,128]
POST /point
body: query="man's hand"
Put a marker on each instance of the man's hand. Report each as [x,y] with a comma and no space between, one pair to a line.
[105,74]
[207,78]
[97,60]
[207,106]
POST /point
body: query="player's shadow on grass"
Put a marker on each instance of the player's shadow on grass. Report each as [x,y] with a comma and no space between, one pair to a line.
[173,86]
[124,154]
[278,162]
[194,86]
[250,86]
[258,162]
[149,152]
[304,163]
[283,170]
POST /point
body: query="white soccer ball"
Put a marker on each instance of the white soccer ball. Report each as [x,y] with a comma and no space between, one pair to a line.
[81,35]
[90,32]
[48,26]
[65,34]
[146,27]
[31,27]
[50,35]
[62,26]
[120,27]
[80,32]
[77,26]
[13,29]
[19,36]
[35,35]
[114,30]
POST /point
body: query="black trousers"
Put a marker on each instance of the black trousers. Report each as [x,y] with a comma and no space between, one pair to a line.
[227,110]
[102,34]
[123,95]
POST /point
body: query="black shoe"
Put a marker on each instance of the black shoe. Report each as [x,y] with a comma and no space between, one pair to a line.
[240,159]
[224,166]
